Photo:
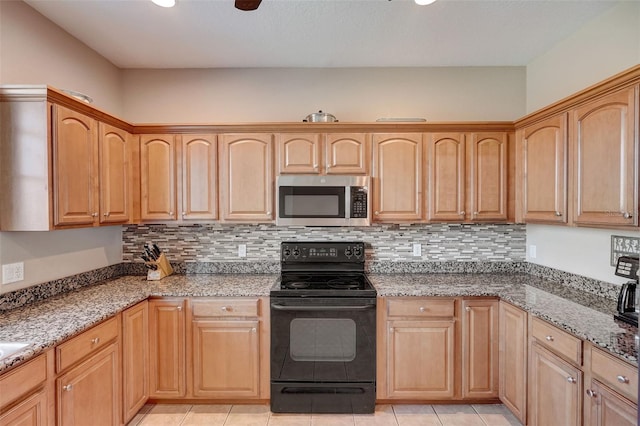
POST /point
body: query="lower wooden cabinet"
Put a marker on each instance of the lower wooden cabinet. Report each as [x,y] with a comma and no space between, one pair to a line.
[32,411]
[89,393]
[605,407]
[167,348]
[24,395]
[513,360]
[135,359]
[555,390]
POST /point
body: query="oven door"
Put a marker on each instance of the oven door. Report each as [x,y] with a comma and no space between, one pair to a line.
[323,354]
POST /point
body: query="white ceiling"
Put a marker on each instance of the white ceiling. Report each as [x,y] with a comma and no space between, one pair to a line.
[321,33]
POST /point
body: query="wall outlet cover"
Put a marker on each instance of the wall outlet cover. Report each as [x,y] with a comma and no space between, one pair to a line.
[12,272]
[417,249]
[242,250]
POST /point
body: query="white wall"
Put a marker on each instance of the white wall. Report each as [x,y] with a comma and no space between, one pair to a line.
[604,47]
[35,51]
[352,94]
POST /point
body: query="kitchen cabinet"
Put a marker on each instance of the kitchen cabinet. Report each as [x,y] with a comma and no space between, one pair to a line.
[604,145]
[135,359]
[199,182]
[542,171]
[24,395]
[116,175]
[417,349]
[347,153]
[246,177]
[487,167]
[226,336]
[480,348]
[446,159]
[604,407]
[513,359]
[88,386]
[167,348]
[397,177]
[158,174]
[299,153]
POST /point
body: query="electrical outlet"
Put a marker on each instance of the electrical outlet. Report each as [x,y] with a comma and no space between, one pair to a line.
[12,272]
[242,250]
[417,249]
[532,252]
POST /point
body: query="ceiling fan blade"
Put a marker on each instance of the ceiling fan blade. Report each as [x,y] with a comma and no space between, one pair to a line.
[247,4]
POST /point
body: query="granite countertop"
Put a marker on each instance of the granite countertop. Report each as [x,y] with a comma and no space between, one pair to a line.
[52,321]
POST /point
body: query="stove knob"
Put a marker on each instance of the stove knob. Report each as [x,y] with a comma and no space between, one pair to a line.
[347,252]
[296,252]
[286,252]
[357,251]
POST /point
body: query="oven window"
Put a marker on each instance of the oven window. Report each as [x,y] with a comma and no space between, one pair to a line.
[312,202]
[323,339]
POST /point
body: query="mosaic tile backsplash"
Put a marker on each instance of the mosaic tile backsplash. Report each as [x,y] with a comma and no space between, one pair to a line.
[385,243]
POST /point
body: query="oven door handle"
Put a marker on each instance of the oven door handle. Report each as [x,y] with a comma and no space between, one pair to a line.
[322,308]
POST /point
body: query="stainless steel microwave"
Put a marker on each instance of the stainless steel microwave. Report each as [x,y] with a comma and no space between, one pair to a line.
[312,200]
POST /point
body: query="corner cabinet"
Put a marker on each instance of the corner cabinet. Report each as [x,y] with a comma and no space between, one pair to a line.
[246,177]
[397,177]
[604,142]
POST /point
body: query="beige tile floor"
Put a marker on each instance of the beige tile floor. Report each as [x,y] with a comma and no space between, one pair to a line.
[385,415]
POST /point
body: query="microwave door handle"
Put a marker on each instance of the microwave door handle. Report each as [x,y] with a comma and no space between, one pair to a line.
[322,308]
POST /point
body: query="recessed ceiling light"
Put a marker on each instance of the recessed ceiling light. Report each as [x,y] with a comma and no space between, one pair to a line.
[424,2]
[165,3]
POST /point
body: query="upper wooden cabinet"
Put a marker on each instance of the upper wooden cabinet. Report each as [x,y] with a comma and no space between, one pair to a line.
[446,185]
[542,171]
[397,177]
[318,153]
[199,186]
[487,164]
[246,177]
[604,143]
[158,177]
[116,195]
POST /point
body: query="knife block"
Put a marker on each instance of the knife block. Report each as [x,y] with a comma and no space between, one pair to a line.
[164,269]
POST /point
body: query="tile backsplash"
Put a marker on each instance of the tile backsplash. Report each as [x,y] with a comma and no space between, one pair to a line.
[385,243]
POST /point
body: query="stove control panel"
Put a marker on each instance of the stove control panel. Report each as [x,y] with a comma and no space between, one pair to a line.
[293,252]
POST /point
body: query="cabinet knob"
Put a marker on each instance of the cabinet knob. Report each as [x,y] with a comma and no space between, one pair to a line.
[170,213]
[67,388]
[94,214]
[475,213]
[591,393]
[184,214]
[377,212]
[95,340]
[627,215]
[571,379]
[558,214]
[253,330]
[179,308]
[391,329]
[622,379]
[315,167]
[328,166]
[224,308]
[462,213]
[549,338]
[106,214]
[468,309]
[269,213]
[421,309]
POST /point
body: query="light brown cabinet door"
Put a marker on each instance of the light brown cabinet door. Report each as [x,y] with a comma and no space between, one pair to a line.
[115,174]
[226,359]
[135,359]
[605,160]
[32,411]
[347,153]
[608,408]
[75,168]
[487,168]
[89,394]
[199,177]
[542,164]
[299,153]
[420,359]
[555,389]
[397,177]
[167,347]
[446,177]
[513,359]
[246,177]
[480,348]
[158,177]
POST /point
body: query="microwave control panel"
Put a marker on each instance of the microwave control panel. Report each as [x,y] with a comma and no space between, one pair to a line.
[359,202]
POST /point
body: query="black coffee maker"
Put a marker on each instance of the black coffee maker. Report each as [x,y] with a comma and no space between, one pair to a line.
[627,267]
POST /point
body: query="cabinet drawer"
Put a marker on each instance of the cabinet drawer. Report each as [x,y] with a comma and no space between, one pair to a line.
[616,374]
[418,307]
[82,345]
[21,380]
[224,308]
[559,341]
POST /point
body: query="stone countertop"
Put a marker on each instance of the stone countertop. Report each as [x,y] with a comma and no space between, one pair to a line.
[582,314]
[48,323]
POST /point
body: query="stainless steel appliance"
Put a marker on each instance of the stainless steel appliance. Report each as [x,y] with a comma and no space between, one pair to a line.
[627,267]
[314,200]
[323,330]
